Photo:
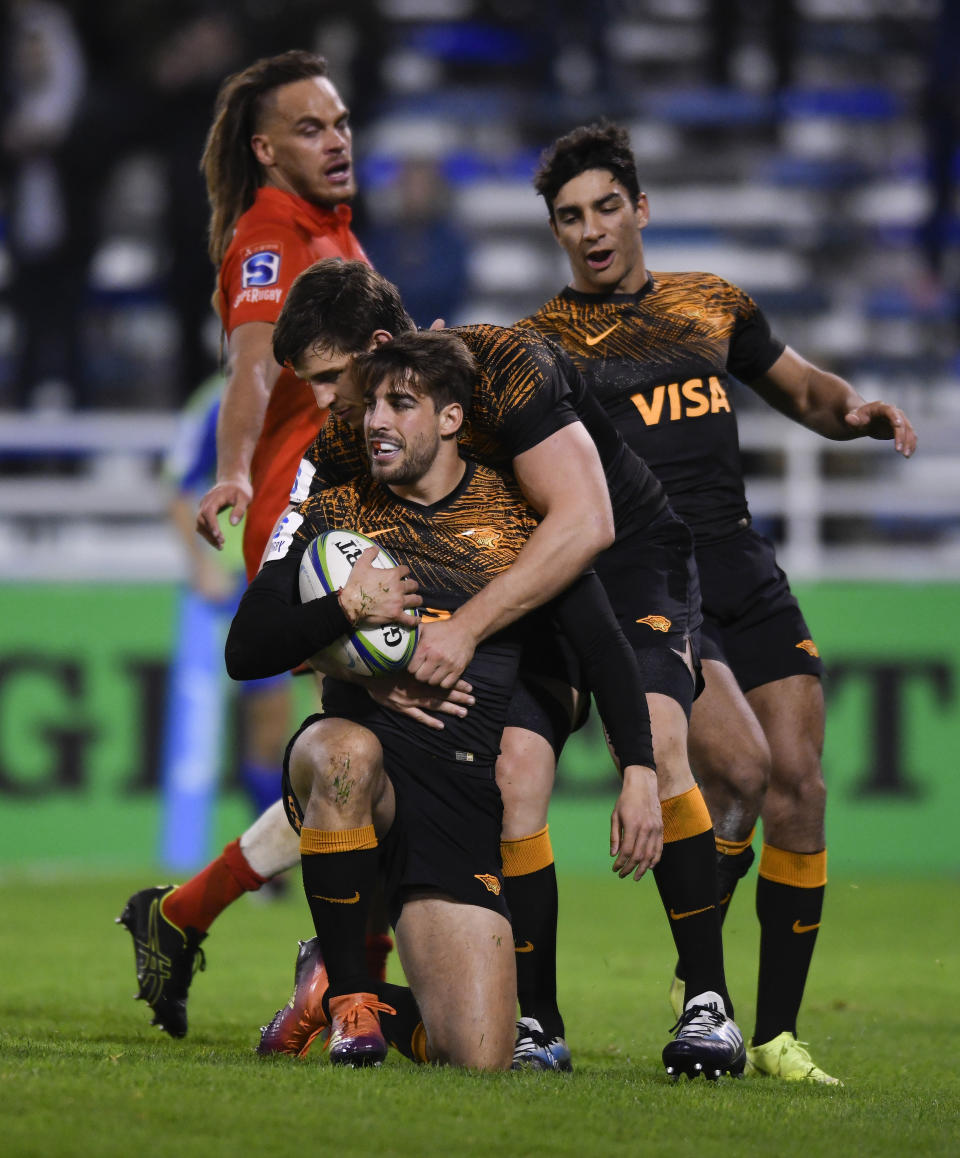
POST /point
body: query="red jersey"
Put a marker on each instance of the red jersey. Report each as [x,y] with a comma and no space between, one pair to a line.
[278,237]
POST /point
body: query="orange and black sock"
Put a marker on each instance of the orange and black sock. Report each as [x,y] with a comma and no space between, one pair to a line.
[530,889]
[203,898]
[790,892]
[404,1028]
[339,875]
[687,879]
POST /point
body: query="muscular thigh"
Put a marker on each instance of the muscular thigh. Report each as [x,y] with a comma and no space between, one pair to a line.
[725,735]
[791,713]
[460,963]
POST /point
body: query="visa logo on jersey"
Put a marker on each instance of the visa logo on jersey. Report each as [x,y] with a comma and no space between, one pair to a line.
[261,268]
[690,399]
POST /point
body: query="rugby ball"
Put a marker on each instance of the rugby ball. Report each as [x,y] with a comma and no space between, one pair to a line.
[324,568]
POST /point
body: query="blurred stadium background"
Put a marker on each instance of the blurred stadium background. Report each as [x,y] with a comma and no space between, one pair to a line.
[808,150]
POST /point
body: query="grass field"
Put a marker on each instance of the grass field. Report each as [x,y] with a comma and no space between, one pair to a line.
[81,1073]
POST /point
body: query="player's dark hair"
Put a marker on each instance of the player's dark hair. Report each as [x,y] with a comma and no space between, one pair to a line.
[231,170]
[337,306]
[602,145]
[434,363]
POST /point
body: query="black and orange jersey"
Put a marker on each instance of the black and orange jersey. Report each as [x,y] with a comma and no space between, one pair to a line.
[453,548]
[526,390]
[660,362]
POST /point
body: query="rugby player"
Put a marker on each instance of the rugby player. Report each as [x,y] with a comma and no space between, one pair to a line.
[361,779]
[525,395]
[659,350]
[280,177]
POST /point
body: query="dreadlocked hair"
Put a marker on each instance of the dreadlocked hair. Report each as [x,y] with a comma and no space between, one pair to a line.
[228,164]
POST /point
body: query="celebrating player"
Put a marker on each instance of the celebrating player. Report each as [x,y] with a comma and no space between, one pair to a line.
[525,396]
[360,778]
[659,350]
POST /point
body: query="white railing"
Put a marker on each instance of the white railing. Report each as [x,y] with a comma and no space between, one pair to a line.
[108,521]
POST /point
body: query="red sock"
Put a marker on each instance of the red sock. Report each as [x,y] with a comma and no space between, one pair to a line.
[203,898]
[378,949]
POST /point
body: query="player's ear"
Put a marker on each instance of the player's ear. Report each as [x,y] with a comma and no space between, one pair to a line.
[262,149]
[378,339]
[451,419]
[642,211]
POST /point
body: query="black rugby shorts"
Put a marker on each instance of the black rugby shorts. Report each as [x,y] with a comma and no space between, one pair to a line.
[446,832]
[751,619]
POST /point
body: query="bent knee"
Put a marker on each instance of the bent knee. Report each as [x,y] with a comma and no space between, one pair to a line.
[335,759]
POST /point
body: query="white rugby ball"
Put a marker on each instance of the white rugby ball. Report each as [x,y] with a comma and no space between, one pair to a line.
[324,568]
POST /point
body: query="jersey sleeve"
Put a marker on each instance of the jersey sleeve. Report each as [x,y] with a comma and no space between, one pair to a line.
[753,348]
[273,631]
[525,396]
[335,456]
[257,274]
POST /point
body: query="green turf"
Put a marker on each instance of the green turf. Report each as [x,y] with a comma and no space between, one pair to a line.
[82,1074]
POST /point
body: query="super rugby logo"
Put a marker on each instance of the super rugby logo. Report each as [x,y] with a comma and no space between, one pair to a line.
[261,269]
[282,536]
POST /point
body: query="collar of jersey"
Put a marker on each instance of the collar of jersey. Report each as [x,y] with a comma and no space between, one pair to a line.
[310,214]
[440,503]
[573,295]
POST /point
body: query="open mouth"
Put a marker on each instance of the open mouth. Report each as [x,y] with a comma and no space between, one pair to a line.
[339,173]
[600,258]
[383,451]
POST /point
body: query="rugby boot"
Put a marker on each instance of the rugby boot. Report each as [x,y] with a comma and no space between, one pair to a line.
[355,1035]
[534,1050]
[295,1027]
[166,958]
[786,1058]
[707,1041]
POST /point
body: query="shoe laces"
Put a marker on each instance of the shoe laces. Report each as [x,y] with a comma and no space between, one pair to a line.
[352,1017]
[698,1019]
[798,1049]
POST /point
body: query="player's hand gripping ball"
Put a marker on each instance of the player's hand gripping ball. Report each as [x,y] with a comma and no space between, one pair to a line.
[325,568]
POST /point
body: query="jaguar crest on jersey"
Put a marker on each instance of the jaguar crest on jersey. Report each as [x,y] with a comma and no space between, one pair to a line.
[657,622]
[486,537]
[809,647]
[490,883]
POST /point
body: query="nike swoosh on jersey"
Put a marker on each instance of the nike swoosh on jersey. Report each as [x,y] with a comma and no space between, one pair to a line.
[798,928]
[600,337]
[338,900]
[526,947]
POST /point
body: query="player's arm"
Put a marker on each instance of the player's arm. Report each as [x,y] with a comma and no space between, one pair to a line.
[273,631]
[584,614]
[251,375]
[828,405]
[562,479]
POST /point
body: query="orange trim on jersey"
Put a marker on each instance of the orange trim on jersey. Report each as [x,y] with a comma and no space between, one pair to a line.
[735,847]
[316,840]
[802,870]
[685,815]
[527,854]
